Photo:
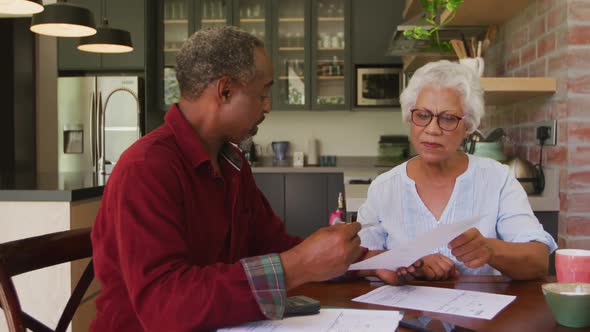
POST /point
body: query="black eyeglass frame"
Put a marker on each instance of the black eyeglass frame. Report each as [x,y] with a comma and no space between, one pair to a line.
[437,116]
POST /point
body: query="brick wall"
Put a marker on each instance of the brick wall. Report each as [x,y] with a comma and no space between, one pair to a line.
[551,38]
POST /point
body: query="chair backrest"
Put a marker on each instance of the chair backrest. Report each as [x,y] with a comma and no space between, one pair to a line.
[39,252]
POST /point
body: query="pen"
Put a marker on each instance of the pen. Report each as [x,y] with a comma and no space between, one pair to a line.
[364,226]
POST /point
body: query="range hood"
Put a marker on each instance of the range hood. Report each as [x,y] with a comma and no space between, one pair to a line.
[401,45]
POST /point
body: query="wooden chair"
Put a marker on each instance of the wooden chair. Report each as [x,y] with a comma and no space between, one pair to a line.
[39,252]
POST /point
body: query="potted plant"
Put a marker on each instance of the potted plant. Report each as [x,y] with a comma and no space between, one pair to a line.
[437,14]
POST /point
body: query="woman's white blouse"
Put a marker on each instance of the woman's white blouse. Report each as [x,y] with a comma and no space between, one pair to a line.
[486,188]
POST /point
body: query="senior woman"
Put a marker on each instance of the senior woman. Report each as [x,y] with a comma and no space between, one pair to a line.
[442,104]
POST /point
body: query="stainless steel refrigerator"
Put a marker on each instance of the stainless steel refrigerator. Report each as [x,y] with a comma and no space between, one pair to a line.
[98,118]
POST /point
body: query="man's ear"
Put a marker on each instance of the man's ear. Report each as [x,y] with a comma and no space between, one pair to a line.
[224,89]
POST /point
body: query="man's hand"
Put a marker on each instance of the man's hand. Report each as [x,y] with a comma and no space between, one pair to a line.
[323,255]
[472,248]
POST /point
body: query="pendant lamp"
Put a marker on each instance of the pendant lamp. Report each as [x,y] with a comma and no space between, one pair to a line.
[107,40]
[20,7]
[64,20]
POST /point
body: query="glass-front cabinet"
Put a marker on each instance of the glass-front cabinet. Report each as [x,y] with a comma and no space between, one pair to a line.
[290,55]
[329,57]
[307,40]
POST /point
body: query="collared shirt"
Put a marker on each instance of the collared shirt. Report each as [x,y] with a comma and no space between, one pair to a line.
[486,188]
[178,247]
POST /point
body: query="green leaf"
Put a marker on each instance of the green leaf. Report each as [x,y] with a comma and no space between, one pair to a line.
[452,5]
[429,6]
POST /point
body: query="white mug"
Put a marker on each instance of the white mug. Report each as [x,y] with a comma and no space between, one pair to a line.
[476,64]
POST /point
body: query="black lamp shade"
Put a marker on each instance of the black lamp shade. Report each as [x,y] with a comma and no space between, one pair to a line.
[64,20]
[107,40]
[21,7]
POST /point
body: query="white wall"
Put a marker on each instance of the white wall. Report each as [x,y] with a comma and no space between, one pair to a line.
[340,133]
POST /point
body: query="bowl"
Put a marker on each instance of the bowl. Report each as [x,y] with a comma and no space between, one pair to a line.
[569,303]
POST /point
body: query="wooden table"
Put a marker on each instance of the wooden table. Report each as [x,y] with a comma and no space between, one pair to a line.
[528,312]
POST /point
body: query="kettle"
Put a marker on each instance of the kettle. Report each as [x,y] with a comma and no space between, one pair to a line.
[530,176]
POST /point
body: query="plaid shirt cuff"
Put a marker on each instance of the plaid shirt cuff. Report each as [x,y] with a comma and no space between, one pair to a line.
[267,281]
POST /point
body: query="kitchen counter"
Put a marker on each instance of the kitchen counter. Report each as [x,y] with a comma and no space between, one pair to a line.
[55,187]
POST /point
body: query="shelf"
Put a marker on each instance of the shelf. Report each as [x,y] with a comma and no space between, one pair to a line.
[475,12]
[175,21]
[252,20]
[331,49]
[330,78]
[413,62]
[171,50]
[291,19]
[507,90]
[284,78]
[213,20]
[291,49]
[331,19]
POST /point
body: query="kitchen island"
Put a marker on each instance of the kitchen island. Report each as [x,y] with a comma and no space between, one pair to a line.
[35,204]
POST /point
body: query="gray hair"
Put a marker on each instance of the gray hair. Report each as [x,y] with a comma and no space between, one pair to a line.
[450,75]
[212,53]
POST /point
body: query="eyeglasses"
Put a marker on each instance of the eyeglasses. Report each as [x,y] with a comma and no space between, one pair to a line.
[446,122]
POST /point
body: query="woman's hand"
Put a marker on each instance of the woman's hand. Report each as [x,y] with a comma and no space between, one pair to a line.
[472,248]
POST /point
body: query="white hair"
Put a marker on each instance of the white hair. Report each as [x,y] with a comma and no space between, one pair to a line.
[450,75]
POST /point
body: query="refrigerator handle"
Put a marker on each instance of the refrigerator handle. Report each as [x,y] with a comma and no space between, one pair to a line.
[100,134]
[93,130]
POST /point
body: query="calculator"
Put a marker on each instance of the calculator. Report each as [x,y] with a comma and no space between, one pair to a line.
[301,305]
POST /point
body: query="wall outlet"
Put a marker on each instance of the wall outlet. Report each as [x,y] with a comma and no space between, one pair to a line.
[552,124]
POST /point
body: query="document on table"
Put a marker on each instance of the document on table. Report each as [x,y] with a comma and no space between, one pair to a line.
[328,320]
[425,244]
[442,300]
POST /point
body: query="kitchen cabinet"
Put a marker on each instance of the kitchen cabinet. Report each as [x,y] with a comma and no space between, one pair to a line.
[304,201]
[372,26]
[181,18]
[127,15]
[311,54]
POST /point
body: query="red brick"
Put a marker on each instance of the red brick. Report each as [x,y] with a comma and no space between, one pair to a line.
[546,45]
[561,242]
[579,59]
[562,201]
[528,54]
[579,84]
[517,40]
[558,111]
[577,106]
[513,62]
[536,29]
[563,180]
[578,243]
[578,132]
[579,35]
[578,225]
[556,17]
[543,6]
[556,154]
[579,180]
[578,202]
[561,34]
[562,223]
[578,10]
[537,68]
[557,63]
[522,72]
[579,156]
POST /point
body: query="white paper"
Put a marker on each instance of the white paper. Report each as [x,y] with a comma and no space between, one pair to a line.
[425,244]
[329,320]
[441,300]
